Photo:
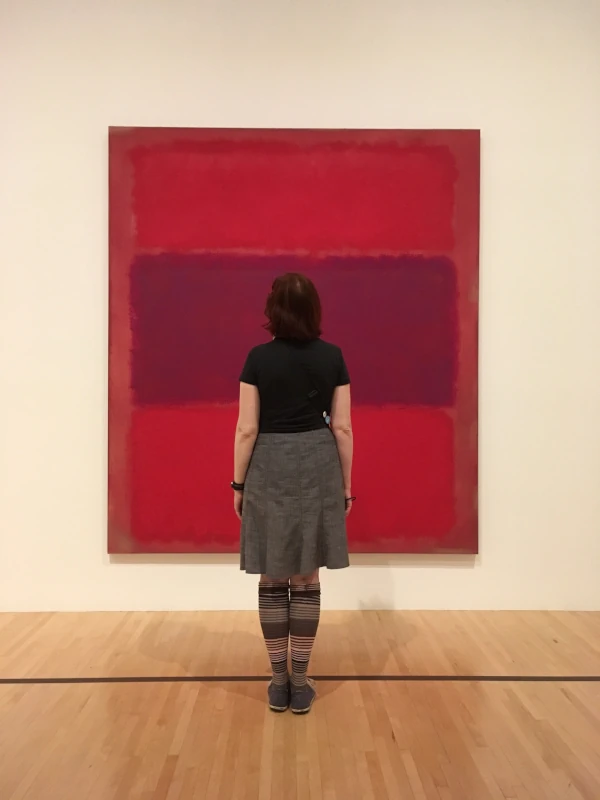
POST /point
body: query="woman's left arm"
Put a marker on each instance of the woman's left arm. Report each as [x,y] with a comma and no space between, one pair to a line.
[245,437]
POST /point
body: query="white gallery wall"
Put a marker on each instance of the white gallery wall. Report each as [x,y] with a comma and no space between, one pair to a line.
[527,72]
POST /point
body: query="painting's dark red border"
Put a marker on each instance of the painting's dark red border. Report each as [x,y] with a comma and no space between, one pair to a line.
[121,251]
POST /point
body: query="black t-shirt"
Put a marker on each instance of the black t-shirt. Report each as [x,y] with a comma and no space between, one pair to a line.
[295,382]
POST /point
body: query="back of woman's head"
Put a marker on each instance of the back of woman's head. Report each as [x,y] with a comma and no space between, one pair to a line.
[293,308]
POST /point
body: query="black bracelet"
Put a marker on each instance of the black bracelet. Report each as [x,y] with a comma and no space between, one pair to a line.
[237,487]
[350,499]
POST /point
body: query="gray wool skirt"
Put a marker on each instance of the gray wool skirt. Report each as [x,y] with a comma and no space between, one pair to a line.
[293,515]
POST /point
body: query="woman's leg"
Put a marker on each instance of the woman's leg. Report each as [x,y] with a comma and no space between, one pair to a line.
[305,610]
[274,613]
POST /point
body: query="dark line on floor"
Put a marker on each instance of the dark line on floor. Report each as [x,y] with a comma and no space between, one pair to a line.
[324,678]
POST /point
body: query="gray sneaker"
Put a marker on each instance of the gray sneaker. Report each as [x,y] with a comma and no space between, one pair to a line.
[303,697]
[279,696]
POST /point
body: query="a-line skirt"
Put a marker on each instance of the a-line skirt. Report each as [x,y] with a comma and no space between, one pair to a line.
[293,515]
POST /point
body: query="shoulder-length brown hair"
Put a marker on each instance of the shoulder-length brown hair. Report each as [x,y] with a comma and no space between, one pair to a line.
[293,308]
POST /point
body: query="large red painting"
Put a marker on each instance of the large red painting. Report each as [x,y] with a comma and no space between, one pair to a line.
[387,225]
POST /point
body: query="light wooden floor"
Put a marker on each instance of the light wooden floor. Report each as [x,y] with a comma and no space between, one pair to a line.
[404,740]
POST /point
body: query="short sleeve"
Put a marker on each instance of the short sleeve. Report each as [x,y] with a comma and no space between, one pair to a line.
[343,378]
[250,372]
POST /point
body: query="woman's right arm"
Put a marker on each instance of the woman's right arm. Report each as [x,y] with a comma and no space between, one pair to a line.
[341,425]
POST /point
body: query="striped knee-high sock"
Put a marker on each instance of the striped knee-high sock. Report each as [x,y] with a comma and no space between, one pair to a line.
[274,613]
[305,610]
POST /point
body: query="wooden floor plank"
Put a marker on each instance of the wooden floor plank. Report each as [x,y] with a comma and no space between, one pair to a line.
[81,741]
[349,643]
[373,740]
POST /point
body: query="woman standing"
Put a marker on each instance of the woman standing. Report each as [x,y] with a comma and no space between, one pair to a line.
[292,479]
